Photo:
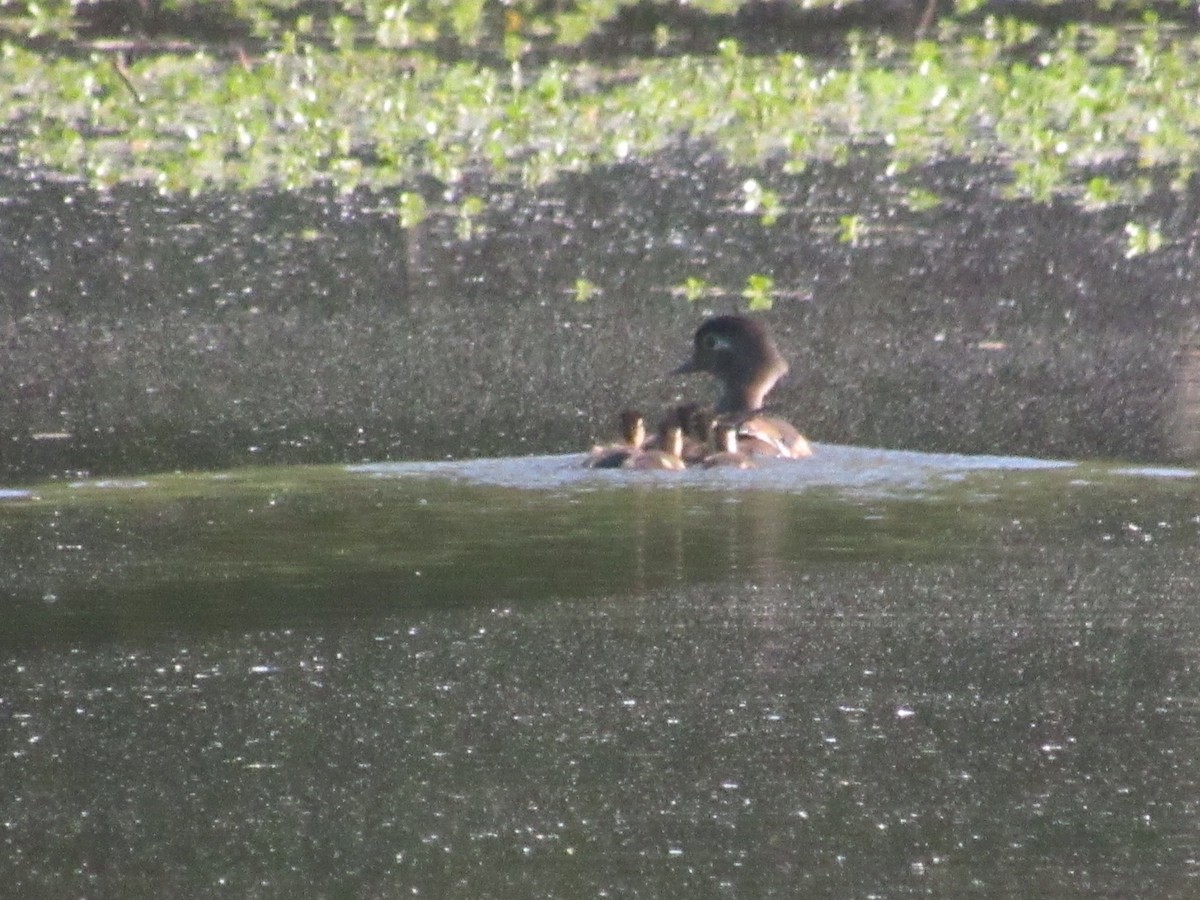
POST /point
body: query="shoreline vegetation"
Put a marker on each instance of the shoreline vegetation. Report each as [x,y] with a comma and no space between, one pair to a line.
[1089,102]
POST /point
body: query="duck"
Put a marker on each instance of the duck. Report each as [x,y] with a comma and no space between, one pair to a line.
[741,355]
[695,422]
[728,453]
[667,454]
[633,437]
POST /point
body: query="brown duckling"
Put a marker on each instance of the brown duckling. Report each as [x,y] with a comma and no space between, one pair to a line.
[666,456]
[728,453]
[695,421]
[633,436]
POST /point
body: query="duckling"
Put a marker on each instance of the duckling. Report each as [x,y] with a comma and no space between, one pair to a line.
[695,421]
[633,436]
[739,352]
[668,457]
[728,453]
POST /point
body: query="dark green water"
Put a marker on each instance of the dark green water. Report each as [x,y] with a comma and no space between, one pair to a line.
[882,675]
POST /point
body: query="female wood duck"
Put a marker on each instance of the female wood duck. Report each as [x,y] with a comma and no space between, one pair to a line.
[743,358]
[633,436]
[727,453]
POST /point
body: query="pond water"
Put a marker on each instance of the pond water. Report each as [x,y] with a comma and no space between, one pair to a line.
[882,674]
[142,334]
[331,666]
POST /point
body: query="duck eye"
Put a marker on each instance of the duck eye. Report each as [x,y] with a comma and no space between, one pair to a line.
[714,342]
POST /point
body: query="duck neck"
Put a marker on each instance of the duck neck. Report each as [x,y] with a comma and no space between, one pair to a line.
[637,435]
[744,397]
[674,441]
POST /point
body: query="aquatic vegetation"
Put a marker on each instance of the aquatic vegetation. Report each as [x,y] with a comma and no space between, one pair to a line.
[851,229]
[469,211]
[1142,238]
[328,100]
[585,290]
[412,209]
[759,292]
[919,199]
[694,289]
[758,200]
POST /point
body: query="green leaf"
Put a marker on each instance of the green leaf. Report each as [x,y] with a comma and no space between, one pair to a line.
[1141,239]
[920,200]
[584,290]
[851,229]
[412,209]
[693,288]
[758,292]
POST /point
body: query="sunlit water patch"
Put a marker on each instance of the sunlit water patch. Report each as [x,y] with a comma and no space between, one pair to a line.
[853,470]
[1156,471]
[866,674]
[281,545]
[991,727]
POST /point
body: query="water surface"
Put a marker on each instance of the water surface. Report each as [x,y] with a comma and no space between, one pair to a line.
[885,675]
[232,330]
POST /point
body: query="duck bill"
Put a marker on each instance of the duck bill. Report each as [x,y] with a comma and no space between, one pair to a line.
[686,369]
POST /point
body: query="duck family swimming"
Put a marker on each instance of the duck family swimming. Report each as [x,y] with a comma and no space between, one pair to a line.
[739,353]
[634,451]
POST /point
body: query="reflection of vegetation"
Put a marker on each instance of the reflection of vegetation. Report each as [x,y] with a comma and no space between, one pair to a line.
[305,99]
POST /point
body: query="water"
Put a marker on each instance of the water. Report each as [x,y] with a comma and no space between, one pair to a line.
[886,674]
[873,673]
[233,330]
